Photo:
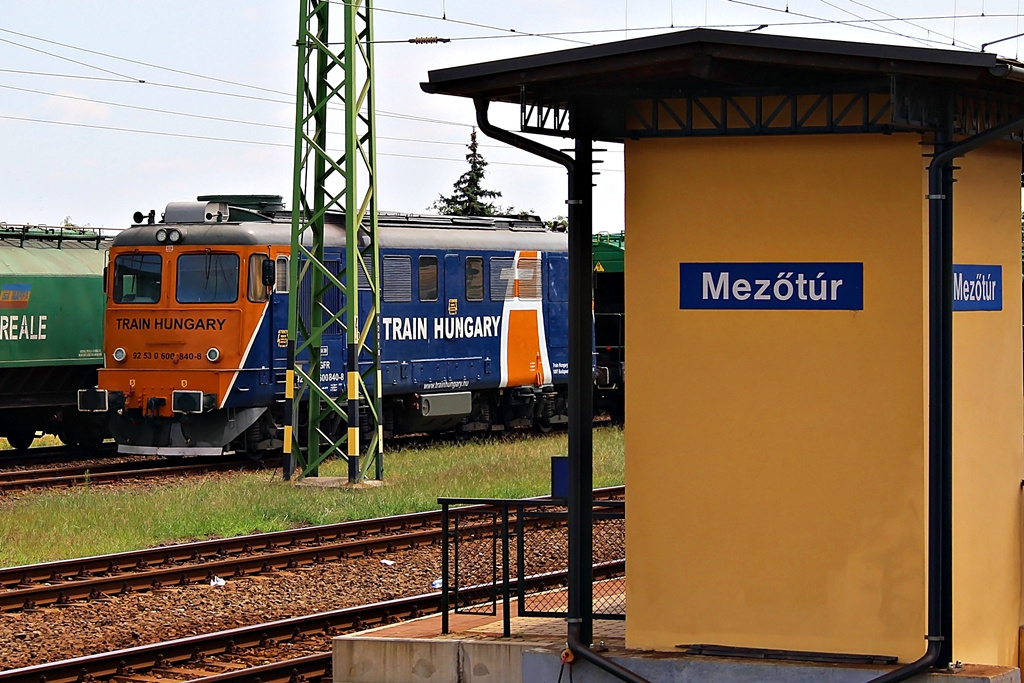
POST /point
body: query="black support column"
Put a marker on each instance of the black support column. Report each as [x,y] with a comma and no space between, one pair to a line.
[581,393]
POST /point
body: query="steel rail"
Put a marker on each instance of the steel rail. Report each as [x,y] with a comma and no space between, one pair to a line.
[31,476]
[180,651]
[236,567]
[17,480]
[43,455]
[286,671]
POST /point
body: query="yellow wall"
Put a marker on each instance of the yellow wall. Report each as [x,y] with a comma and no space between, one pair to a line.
[776,460]
[987,452]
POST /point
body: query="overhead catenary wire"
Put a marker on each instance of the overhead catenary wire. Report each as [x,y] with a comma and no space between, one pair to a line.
[126,78]
[148,109]
[212,118]
[262,143]
[908,20]
[474,24]
[141,63]
[754,25]
[130,79]
[225,87]
[514,33]
[859,23]
[870,23]
[993,42]
[73,61]
[390,114]
[885,29]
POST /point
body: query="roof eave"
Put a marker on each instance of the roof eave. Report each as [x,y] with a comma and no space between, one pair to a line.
[501,80]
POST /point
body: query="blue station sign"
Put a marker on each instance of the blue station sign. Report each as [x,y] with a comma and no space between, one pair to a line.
[977,288]
[772,286]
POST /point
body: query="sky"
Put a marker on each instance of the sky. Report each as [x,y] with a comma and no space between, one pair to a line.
[108,107]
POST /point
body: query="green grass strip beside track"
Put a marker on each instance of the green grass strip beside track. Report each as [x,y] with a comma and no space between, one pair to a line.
[81,521]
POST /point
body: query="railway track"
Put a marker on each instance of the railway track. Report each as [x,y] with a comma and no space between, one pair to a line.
[47,455]
[92,578]
[19,480]
[284,651]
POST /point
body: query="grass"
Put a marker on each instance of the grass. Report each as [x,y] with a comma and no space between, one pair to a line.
[44,440]
[95,520]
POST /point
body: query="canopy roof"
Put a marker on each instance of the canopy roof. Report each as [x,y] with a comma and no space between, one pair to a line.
[706,63]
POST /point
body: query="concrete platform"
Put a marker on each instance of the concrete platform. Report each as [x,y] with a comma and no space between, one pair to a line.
[476,652]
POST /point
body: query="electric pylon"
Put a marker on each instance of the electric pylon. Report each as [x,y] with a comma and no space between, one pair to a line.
[324,296]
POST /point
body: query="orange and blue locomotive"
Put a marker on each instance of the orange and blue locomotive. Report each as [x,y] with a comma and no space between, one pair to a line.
[473,326]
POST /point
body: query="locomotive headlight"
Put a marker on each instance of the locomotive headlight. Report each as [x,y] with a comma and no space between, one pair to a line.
[161,235]
[213,354]
[119,354]
[174,235]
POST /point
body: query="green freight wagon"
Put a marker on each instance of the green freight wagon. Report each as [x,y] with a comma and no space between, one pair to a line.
[610,323]
[51,331]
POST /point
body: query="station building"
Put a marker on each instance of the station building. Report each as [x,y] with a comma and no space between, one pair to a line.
[823,339]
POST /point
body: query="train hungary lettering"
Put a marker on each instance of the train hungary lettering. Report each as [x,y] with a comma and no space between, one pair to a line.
[22,327]
[464,327]
[171,323]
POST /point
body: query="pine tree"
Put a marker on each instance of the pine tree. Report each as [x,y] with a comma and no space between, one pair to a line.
[469,197]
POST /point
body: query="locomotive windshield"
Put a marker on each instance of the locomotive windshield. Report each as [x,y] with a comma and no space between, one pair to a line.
[137,279]
[207,278]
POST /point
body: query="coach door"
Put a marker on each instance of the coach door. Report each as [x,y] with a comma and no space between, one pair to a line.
[523,338]
[453,283]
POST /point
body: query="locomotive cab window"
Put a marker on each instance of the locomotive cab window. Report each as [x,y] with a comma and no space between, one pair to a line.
[474,278]
[257,290]
[137,278]
[207,278]
[428,278]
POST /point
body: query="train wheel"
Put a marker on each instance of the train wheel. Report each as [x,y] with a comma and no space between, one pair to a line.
[21,439]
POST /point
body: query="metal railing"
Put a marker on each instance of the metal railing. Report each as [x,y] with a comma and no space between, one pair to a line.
[477,549]
[54,235]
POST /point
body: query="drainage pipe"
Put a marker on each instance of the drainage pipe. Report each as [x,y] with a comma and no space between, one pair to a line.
[580,649]
[581,466]
[940,394]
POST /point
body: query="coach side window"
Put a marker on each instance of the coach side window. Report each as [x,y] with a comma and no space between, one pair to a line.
[397,279]
[137,279]
[503,276]
[207,278]
[531,281]
[428,278]
[474,278]
[257,290]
